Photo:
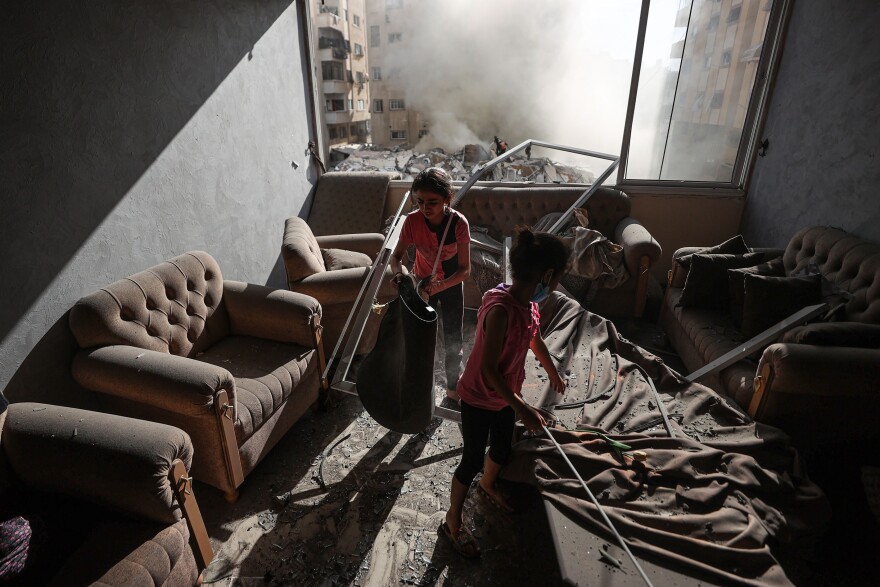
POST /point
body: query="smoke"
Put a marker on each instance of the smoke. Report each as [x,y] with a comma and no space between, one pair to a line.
[555,71]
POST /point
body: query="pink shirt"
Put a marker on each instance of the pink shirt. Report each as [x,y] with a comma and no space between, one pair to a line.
[416,232]
[522,324]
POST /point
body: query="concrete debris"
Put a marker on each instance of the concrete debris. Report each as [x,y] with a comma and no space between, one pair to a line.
[460,164]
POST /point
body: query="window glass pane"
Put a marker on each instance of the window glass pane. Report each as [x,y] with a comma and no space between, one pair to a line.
[696,80]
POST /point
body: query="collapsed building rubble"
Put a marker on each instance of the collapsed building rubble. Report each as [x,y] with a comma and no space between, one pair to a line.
[408,163]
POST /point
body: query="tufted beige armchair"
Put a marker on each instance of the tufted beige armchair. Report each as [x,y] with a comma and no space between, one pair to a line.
[233,364]
[332,269]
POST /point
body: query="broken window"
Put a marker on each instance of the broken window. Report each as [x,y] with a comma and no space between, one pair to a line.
[335,104]
[398,135]
[358,50]
[423,132]
[374,36]
[377,73]
[361,105]
[350,104]
[396,105]
[395,37]
[378,106]
[356,20]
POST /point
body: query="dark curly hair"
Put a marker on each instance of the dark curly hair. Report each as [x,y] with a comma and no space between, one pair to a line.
[533,253]
[434,180]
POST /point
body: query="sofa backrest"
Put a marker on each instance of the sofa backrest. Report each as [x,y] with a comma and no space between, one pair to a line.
[300,250]
[349,202]
[174,307]
[852,263]
[502,208]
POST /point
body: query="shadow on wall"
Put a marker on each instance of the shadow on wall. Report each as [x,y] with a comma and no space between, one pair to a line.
[44,376]
[97,90]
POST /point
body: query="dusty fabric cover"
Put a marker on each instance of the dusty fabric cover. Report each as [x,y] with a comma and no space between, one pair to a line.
[336,259]
[714,498]
[396,379]
[348,202]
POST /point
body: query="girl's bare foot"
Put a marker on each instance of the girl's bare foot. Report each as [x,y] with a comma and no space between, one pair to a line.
[495,497]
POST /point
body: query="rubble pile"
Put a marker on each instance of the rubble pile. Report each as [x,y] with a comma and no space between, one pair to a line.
[461,164]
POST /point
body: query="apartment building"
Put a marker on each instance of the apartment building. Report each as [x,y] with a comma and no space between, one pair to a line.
[342,70]
[393,121]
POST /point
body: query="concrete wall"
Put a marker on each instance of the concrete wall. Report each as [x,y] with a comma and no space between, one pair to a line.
[821,166]
[133,132]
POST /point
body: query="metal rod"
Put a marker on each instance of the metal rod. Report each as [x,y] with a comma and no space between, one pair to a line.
[364,303]
[633,91]
[560,222]
[599,507]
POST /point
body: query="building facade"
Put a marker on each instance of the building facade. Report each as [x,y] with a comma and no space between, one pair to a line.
[342,70]
[393,121]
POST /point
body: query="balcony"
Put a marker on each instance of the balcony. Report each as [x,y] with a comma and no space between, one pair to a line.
[338,116]
[335,86]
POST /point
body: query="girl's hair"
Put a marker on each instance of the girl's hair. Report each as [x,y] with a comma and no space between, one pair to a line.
[533,253]
[434,180]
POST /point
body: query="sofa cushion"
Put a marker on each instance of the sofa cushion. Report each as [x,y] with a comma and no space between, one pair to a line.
[769,300]
[265,373]
[732,246]
[851,334]
[341,259]
[736,283]
[707,284]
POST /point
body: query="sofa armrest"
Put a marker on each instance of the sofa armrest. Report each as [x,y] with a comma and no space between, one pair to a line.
[273,314]
[342,285]
[105,459]
[175,384]
[637,243]
[368,243]
[829,391]
[836,334]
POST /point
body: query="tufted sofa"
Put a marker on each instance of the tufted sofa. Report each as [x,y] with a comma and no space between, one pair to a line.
[231,363]
[101,499]
[502,208]
[823,376]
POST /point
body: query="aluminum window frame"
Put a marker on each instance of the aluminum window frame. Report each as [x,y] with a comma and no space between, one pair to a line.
[752,125]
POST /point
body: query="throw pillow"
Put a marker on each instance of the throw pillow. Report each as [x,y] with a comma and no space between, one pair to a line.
[341,259]
[707,284]
[849,334]
[732,246]
[736,282]
[769,300]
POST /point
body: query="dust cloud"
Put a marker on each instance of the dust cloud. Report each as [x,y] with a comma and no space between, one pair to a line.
[557,71]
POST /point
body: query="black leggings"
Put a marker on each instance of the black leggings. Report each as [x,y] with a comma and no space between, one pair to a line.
[477,425]
[451,302]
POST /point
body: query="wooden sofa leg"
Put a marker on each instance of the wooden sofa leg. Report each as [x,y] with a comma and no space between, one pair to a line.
[642,287]
[325,398]
[181,483]
[762,383]
[234,469]
[231,496]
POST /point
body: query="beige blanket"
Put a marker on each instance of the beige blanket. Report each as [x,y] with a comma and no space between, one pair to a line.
[715,496]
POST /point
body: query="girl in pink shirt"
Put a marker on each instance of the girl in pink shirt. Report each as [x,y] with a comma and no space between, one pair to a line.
[432,191]
[490,388]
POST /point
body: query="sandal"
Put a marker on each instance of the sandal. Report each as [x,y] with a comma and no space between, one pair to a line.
[464,544]
[499,505]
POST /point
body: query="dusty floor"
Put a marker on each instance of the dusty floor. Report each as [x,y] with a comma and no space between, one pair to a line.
[375,521]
